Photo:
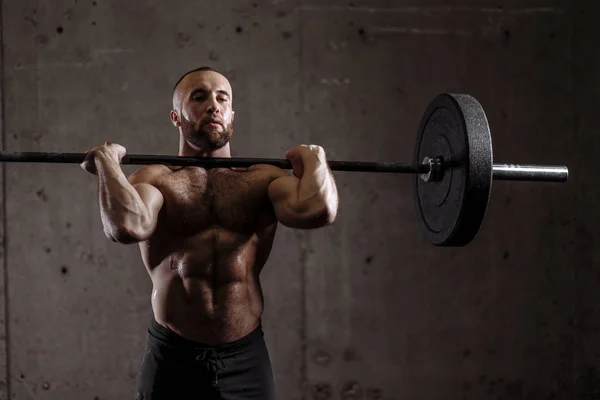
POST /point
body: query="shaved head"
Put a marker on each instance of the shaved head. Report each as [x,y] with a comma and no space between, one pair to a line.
[176,88]
[202,109]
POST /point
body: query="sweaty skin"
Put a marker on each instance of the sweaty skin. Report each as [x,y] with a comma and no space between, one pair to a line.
[213,237]
[205,235]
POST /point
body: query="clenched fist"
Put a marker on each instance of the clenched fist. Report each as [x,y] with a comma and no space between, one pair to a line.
[303,154]
[113,151]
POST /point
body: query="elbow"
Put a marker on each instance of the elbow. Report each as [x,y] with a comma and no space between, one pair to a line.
[125,234]
[325,216]
[317,217]
[331,214]
[328,208]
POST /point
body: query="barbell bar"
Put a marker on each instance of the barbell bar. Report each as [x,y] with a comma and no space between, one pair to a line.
[453,168]
[507,172]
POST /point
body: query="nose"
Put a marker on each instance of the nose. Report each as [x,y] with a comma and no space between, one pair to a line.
[213,107]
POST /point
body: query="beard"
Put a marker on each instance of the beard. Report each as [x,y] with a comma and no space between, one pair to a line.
[204,137]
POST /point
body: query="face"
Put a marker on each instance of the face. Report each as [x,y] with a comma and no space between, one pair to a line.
[203,110]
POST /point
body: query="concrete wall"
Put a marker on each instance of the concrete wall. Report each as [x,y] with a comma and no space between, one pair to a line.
[366,308]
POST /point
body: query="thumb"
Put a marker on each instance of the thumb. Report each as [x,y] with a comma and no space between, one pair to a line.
[291,154]
[297,164]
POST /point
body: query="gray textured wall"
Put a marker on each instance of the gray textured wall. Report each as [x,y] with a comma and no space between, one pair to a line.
[366,308]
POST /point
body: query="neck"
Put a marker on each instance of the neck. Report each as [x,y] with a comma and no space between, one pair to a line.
[188,150]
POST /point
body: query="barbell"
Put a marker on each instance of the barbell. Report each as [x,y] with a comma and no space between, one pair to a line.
[453,167]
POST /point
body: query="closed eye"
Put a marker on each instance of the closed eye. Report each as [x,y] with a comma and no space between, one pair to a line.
[202,94]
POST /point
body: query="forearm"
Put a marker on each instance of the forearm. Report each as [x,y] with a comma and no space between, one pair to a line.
[121,207]
[317,192]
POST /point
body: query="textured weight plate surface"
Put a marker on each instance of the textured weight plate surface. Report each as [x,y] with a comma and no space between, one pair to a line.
[452,210]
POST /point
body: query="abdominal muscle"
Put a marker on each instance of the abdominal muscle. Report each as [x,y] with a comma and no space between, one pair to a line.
[206,287]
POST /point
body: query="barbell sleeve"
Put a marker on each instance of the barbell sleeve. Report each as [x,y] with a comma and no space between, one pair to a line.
[537,173]
[513,172]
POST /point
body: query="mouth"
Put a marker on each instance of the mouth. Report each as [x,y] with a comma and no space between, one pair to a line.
[213,123]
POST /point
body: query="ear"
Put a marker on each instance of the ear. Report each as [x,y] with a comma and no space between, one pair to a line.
[232,119]
[175,118]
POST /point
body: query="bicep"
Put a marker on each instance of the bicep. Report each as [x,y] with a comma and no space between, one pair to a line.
[283,193]
[152,199]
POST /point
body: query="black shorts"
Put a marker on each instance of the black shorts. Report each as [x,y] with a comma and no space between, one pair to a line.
[176,368]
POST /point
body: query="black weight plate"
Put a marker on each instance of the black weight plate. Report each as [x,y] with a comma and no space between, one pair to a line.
[454,127]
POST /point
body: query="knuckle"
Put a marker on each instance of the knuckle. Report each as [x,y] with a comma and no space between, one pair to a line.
[318,150]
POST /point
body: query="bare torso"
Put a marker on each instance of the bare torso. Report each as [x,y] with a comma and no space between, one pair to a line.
[213,237]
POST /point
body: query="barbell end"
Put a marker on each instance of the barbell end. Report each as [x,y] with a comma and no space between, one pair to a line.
[530,172]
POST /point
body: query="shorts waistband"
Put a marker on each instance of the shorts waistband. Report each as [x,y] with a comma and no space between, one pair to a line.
[172,339]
